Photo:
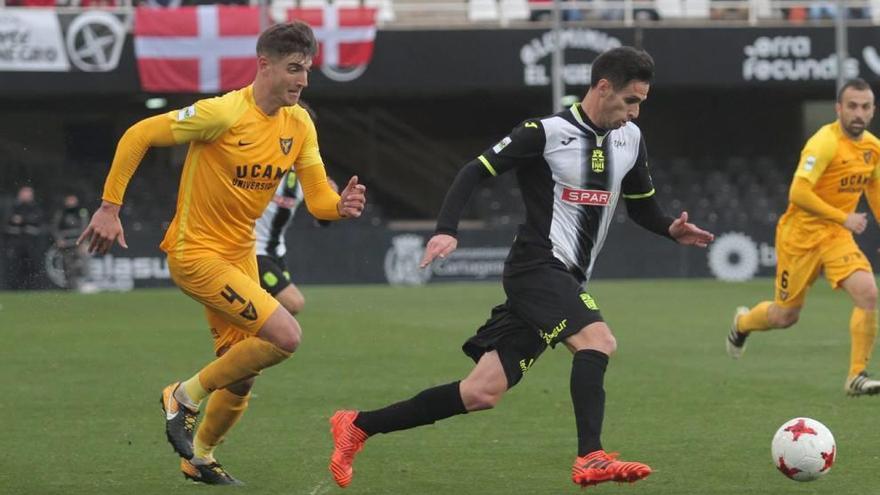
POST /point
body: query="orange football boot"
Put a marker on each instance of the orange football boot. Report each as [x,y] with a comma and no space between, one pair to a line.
[599,467]
[348,440]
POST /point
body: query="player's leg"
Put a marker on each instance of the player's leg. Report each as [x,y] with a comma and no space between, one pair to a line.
[591,347]
[234,293]
[554,303]
[351,429]
[225,406]
[275,278]
[504,348]
[847,267]
[795,273]
[291,299]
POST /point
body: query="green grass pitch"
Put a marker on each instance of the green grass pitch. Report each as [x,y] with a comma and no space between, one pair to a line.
[81,375]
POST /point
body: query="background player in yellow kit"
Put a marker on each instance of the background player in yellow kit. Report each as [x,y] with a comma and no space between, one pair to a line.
[837,165]
[241,144]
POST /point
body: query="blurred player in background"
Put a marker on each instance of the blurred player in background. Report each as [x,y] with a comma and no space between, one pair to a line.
[271,245]
[240,146]
[22,233]
[270,231]
[572,168]
[838,164]
[67,224]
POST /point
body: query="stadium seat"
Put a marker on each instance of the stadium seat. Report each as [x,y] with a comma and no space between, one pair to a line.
[482,10]
[312,4]
[514,10]
[695,9]
[385,7]
[669,9]
[345,4]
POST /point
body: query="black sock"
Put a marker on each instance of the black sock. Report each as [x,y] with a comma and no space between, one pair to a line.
[588,397]
[425,408]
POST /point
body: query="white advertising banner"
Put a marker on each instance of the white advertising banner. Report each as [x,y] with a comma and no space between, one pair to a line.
[31,41]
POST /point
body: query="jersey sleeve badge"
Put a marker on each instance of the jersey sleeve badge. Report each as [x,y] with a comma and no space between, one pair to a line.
[185,113]
[501,145]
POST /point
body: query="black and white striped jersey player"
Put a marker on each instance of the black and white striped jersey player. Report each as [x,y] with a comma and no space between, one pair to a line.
[572,168]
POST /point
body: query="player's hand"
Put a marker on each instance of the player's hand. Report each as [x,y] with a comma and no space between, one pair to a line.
[103,230]
[856,222]
[352,199]
[439,246]
[688,233]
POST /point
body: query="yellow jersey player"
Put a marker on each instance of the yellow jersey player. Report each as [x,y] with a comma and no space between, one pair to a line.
[837,165]
[241,145]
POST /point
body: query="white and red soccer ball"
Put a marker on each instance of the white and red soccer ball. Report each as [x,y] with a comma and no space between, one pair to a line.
[803,449]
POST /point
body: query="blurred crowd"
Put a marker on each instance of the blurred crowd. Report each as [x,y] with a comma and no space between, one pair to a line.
[26,229]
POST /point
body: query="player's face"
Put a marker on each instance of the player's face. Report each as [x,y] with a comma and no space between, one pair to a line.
[288,76]
[855,111]
[619,107]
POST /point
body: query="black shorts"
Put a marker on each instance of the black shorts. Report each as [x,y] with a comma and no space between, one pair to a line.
[545,305]
[274,276]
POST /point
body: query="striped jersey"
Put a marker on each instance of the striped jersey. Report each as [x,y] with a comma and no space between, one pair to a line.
[272,225]
[571,174]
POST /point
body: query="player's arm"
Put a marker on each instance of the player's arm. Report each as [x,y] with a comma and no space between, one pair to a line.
[105,226]
[644,209]
[872,194]
[322,202]
[815,158]
[203,121]
[640,198]
[801,194]
[321,198]
[524,143]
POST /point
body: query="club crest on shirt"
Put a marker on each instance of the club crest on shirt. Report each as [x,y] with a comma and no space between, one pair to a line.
[867,156]
[286,144]
[598,161]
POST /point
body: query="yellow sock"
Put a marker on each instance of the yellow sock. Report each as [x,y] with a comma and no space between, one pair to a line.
[862,331]
[243,360]
[194,391]
[224,409]
[756,319]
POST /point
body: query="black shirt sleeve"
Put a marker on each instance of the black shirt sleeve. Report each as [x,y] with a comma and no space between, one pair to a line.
[641,200]
[521,146]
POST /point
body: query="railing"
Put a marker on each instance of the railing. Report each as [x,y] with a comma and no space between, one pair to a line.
[406,14]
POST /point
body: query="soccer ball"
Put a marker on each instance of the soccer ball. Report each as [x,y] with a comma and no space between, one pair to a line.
[803,449]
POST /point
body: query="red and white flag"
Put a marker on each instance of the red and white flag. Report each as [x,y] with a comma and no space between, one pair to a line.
[204,49]
[345,35]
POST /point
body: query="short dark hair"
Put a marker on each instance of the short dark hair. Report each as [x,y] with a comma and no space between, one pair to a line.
[856,83]
[621,65]
[284,39]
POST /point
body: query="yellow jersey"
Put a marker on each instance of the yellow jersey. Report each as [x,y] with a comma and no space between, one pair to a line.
[237,156]
[840,170]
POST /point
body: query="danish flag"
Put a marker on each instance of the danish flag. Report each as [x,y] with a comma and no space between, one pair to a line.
[345,35]
[203,49]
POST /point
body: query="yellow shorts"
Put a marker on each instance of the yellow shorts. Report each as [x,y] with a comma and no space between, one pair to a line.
[796,268]
[235,304]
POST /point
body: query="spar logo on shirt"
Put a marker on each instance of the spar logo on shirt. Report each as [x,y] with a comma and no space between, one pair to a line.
[590,197]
